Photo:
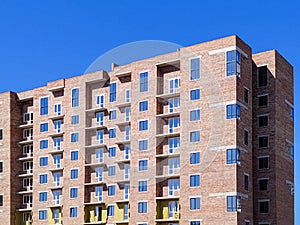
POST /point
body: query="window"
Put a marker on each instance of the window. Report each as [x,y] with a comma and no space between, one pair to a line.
[99,154]
[74,137]
[28,134]
[263,206]
[173,185]
[100,101]
[143,165]
[57,143]
[262,76]
[143,125]
[128,95]
[143,145]
[233,111]
[100,118]
[263,162]
[246,182]
[246,137]
[1,200]
[247,223]
[233,63]
[73,211]
[233,203]
[195,136]
[194,180]
[173,163]
[112,115]
[112,92]
[174,144]
[1,166]
[174,84]
[195,94]
[111,170]
[173,123]
[292,114]
[143,186]
[100,136]
[44,106]
[292,152]
[126,191]
[75,119]
[195,69]
[263,141]
[43,127]
[111,190]
[144,82]
[44,161]
[75,97]
[111,210]
[127,132]
[263,184]
[112,133]
[43,196]
[1,134]
[126,171]
[195,115]
[232,156]
[263,121]
[127,114]
[195,158]
[246,95]
[127,152]
[73,192]
[74,155]
[57,109]
[112,151]
[142,207]
[195,203]
[42,214]
[173,104]
[195,223]
[99,193]
[74,174]
[43,178]
[99,173]
[263,100]
[28,117]
[143,106]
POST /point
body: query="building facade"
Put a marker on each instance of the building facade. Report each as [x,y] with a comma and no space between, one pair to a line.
[203,135]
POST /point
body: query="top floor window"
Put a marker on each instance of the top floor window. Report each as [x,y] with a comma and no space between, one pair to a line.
[75,97]
[262,76]
[195,69]
[44,106]
[174,84]
[233,63]
[112,92]
[144,82]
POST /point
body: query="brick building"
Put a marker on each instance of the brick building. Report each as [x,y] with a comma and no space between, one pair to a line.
[203,135]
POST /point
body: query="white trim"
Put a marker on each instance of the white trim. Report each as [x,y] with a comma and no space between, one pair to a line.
[261,95]
[289,103]
[289,142]
[227,49]
[190,59]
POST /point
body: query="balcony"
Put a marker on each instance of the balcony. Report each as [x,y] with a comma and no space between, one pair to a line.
[168,135]
[56,203]
[57,117]
[28,157]
[26,125]
[27,140]
[167,211]
[27,173]
[94,146]
[168,155]
[95,110]
[97,127]
[25,207]
[124,105]
[168,115]
[95,214]
[56,134]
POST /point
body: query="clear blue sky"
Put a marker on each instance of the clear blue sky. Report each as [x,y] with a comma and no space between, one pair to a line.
[45,40]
